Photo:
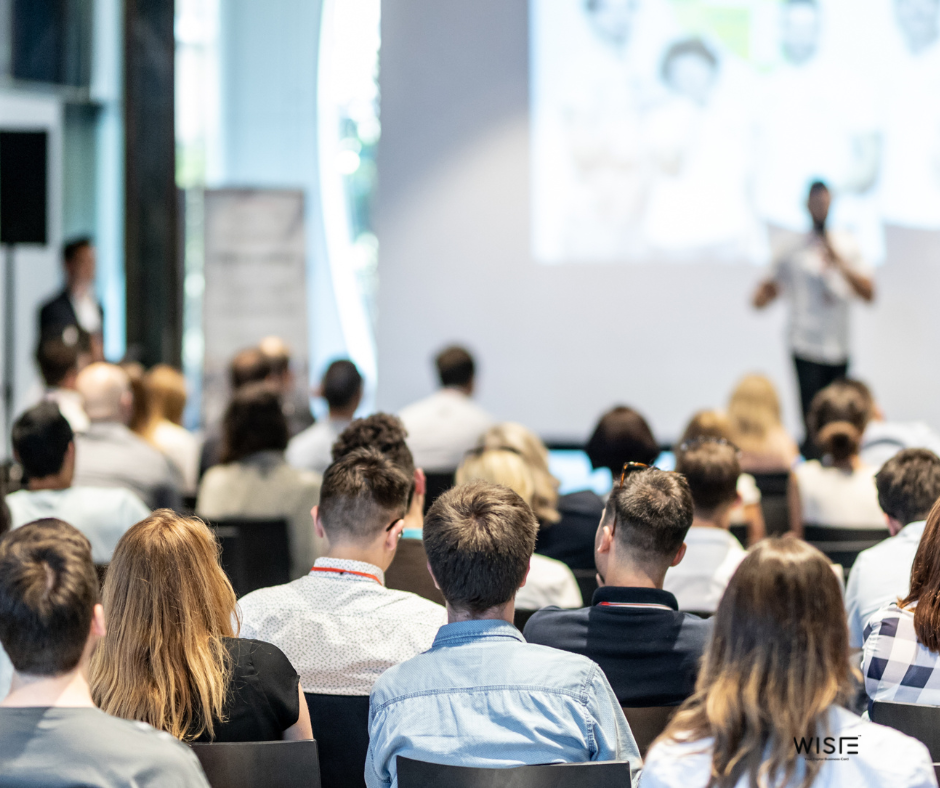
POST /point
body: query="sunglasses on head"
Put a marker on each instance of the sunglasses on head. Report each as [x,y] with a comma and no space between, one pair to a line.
[705,439]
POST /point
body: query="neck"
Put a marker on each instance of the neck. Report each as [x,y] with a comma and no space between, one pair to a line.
[849,464]
[628,574]
[504,612]
[342,414]
[367,554]
[69,690]
[59,481]
[720,518]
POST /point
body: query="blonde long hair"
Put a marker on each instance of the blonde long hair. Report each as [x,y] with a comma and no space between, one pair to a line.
[500,466]
[777,661]
[168,605]
[754,411]
[166,397]
[514,436]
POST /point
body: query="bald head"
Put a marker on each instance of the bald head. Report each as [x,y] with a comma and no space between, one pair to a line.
[107,392]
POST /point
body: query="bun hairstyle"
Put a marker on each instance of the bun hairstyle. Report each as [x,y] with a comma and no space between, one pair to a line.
[837,419]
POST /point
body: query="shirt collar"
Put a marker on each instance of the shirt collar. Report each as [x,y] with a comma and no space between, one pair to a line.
[464,631]
[913,530]
[617,595]
[348,565]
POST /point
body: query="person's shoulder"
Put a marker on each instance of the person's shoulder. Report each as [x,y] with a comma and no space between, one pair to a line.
[418,607]
[581,502]
[696,626]
[551,624]
[549,570]
[259,654]
[273,599]
[144,741]
[678,763]
[884,750]
[106,497]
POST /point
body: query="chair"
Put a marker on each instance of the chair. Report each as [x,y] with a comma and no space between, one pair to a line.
[418,774]
[842,545]
[437,483]
[739,532]
[341,729]
[521,618]
[587,583]
[255,553]
[921,722]
[273,764]
[647,722]
[773,502]
[409,571]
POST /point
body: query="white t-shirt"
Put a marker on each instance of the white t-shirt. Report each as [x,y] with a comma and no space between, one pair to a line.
[839,498]
[183,449]
[550,582]
[700,579]
[819,296]
[443,427]
[312,449]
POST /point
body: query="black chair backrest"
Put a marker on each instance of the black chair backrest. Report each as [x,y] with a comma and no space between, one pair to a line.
[438,483]
[273,764]
[255,553]
[773,502]
[647,722]
[842,545]
[521,618]
[409,571]
[341,728]
[587,583]
[418,774]
[739,532]
[921,722]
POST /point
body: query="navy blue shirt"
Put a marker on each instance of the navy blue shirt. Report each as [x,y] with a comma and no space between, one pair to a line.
[649,651]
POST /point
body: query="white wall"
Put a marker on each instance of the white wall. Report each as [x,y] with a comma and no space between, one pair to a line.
[559,345]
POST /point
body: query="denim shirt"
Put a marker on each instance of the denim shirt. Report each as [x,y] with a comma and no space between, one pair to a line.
[482,696]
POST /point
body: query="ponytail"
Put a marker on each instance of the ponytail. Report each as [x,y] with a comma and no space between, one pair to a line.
[840,440]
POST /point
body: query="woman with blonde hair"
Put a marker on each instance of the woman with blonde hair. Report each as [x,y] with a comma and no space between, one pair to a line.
[549,582]
[754,413]
[166,400]
[767,711]
[171,657]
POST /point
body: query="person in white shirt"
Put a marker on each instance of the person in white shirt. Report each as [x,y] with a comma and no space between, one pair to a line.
[58,360]
[339,626]
[342,389]
[820,276]
[710,466]
[43,444]
[442,427]
[765,701]
[166,401]
[908,486]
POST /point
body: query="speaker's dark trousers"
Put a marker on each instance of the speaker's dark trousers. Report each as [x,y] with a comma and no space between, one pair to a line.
[813,377]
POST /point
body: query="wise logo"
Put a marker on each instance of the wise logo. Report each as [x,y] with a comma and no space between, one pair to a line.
[826,748]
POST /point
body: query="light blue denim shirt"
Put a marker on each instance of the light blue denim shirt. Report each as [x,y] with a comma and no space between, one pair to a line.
[482,696]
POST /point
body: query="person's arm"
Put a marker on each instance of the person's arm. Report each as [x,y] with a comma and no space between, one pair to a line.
[301,730]
[863,286]
[374,777]
[795,505]
[767,291]
[612,735]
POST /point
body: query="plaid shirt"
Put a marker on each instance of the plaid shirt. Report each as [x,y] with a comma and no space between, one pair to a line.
[895,665]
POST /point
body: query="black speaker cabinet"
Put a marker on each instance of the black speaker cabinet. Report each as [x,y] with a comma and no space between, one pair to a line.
[23,179]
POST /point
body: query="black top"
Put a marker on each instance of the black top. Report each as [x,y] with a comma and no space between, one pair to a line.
[58,314]
[263,699]
[571,540]
[649,650]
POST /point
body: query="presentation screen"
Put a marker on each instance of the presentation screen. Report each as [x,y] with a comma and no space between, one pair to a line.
[690,130]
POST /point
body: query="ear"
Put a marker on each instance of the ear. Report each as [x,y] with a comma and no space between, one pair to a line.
[394,535]
[98,628]
[894,526]
[679,555]
[70,451]
[317,523]
[526,577]
[430,572]
[605,539]
[421,482]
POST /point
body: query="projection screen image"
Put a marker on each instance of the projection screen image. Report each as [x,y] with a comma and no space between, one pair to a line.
[690,130]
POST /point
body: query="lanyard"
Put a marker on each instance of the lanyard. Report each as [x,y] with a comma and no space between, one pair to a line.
[345,572]
[646,605]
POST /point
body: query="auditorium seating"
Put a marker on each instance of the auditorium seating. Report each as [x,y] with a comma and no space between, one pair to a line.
[255,553]
[842,545]
[341,728]
[437,483]
[418,774]
[647,723]
[773,501]
[921,722]
[272,764]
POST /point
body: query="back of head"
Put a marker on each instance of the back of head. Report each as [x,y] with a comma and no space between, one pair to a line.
[837,419]
[277,352]
[777,661]
[380,431]
[455,367]
[712,469]
[622,435]
[651,514]
[479,538]
[909,485]
[106,389]
[168,605]
[41,438]
[57,359]
[250,365]
[140,397]
[48,593]
[254,421]
[707,424]
[753,410]
[515,436]
[500,465]
[72,247]
[866,394]
[363,492]
[166,393]
[342,384]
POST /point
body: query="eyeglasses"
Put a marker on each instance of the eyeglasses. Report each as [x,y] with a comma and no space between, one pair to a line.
[630,467]
[705,439]
[393,523]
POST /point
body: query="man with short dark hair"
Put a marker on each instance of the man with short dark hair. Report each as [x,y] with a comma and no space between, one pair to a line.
[341,387]
[711,467]
[51,734]
[339,625]
[482,696]
[633,629]
[58,362]
[43,444]
[443,427]
[908,486]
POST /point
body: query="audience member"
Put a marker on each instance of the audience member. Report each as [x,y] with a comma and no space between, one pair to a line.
[342,389]
[442,427]
[633,628]
[549,582]
[43,444]
[255,481]
[409,568]
[839,490]
[294,402]
[166,400]
[51,734]
[140,400]
[528,704]
[109,454]
[908,486]
[710,466]
[339,625]
[773,684]
[171,657]
[58,362]
[901,658]
[622,435]
[756,428]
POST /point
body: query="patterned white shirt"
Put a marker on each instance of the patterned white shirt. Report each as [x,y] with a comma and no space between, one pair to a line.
[340,627]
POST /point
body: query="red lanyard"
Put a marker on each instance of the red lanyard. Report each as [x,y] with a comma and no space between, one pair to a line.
[345,572]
